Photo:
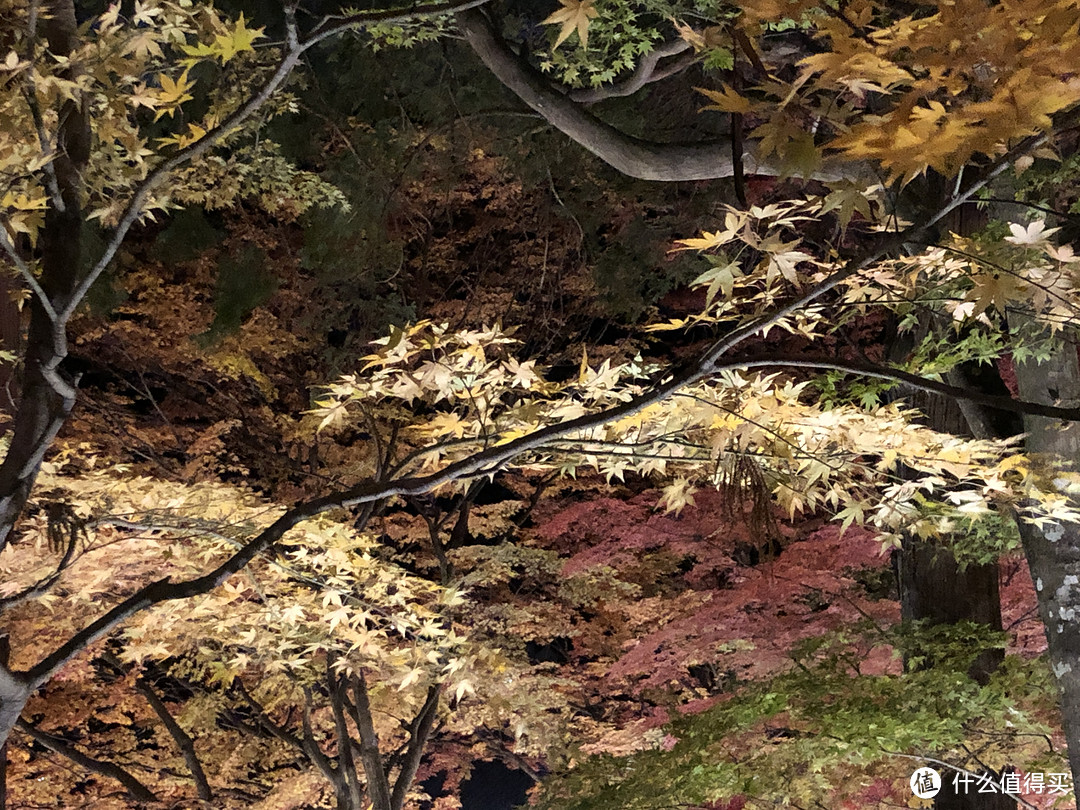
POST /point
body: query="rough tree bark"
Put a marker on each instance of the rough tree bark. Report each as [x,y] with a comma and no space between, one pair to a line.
[48,393]
[1053,549]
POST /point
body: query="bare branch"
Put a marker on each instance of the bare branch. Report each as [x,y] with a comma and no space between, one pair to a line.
[180,737]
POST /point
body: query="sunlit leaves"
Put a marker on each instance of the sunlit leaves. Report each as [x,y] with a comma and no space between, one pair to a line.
[127,65]
[725,100]
[573,16]
[174,92]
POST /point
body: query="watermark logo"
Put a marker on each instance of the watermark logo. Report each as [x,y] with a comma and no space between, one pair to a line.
[925,783]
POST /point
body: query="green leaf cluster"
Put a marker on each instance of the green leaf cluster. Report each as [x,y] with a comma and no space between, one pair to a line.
[811,736]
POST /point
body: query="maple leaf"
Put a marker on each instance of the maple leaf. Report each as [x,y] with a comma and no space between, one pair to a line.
[144,45]
[238,40]
[721,278]
[677,496]
[725,100]
[1063,254]
[574,15]
[173,93]
[1035,233]
[339,616]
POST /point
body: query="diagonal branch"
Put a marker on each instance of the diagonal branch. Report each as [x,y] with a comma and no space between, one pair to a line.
[419,732]
[135,788]
[1001,403]
[311,745]
[48,394]
[27,276]
[295,49]
[492,458]
[180,737]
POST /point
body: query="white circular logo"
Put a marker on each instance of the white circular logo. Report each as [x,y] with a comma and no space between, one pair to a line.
[925,783]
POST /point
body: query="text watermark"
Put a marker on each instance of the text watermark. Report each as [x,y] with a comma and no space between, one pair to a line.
[926,783]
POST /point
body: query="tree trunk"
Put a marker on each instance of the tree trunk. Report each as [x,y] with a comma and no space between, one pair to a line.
[934,587]
[1053,549]
[48,394]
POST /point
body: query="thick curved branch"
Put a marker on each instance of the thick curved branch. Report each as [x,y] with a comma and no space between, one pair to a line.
[494,457]
[634,157]
[647,72]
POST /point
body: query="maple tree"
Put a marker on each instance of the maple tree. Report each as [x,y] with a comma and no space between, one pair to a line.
[118,120]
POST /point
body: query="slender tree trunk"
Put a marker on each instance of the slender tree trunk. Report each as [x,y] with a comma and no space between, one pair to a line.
[378,786]
[1053,548]
[47,392]
[934,587]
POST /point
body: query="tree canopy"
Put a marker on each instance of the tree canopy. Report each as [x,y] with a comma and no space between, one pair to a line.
[317,578]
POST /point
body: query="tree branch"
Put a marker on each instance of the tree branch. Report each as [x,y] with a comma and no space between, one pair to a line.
[492,458]
[180,737]
[346,765]
[645,73]
[315,754]
[419,732]
[264,720]
[634,157]
[1000,403]
[378,787]
[135,788]
[334,24]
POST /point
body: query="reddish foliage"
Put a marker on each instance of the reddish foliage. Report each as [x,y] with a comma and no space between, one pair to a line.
[802,593]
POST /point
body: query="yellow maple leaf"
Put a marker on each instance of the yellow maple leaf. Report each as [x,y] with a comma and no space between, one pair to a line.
[574,16]
[236,41]
[725,100]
